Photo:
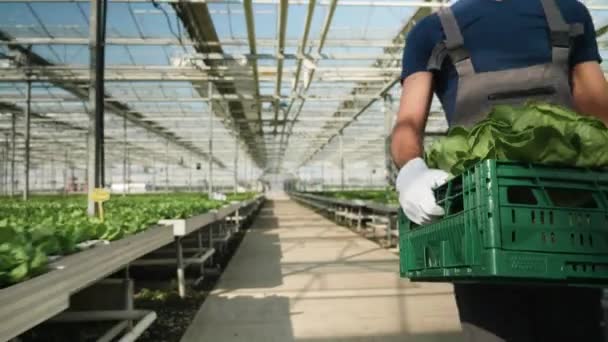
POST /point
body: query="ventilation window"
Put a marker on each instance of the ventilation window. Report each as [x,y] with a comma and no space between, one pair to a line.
[513,215]
[572,198]
[550,217]
[512,236]
[521,195]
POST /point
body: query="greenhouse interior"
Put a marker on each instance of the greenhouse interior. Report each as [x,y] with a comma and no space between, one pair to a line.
[221,170]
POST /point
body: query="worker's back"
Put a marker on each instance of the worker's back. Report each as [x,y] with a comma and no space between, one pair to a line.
[499,35]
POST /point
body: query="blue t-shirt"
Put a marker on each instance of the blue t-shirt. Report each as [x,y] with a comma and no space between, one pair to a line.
[499,35]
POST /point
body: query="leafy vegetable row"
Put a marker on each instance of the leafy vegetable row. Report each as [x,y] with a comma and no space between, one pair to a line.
[378,196]
[32,231]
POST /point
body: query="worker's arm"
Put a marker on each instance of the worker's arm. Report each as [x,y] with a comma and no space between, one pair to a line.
[415,181]
[414,107]
[590,90]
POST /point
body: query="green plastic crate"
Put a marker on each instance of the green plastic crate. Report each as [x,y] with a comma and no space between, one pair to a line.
[513,222]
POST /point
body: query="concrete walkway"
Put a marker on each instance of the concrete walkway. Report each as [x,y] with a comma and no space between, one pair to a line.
[299,277]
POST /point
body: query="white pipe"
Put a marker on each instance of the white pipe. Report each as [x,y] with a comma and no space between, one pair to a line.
[113,332]
[105,315]
[139,328]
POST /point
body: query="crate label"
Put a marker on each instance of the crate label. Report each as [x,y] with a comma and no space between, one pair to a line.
[528,264]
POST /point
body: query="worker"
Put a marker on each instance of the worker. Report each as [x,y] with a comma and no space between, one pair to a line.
[474,55]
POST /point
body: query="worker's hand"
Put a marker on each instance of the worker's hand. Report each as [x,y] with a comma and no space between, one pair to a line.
[415,184]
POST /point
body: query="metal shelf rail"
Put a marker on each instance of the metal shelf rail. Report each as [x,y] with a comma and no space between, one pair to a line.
[356,213]
[27,304]
[214,222]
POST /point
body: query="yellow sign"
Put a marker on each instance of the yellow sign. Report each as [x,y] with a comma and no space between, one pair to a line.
[101,195]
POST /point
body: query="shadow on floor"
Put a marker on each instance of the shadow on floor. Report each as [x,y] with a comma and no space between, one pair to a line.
[434,337]
[242,318]
[254,302]
[269,319]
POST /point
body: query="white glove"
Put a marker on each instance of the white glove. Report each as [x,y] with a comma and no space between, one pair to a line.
[415,184]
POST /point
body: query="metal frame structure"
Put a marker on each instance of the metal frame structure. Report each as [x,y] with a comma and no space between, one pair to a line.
[248,88]
[366,217]
[50,292]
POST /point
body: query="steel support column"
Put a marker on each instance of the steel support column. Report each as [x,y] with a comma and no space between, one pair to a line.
[210,185]
[5,167]
[13,151]
[26,165]
[124,157]
[65,172]
[388,127]
[97,28]
[190,173]
[167,167]
[236,164]
[341,148]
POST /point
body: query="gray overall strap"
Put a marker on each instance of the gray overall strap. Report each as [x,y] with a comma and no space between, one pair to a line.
[454,43]
[561,32]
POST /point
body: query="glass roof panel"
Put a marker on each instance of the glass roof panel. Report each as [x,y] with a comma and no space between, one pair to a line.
[363,22]
[161,22]
[229,20]
[61,19]
[120,19]
[18,20]
[265,18]
[149,55]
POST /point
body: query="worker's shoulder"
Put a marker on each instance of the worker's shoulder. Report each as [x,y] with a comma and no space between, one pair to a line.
[428,28]
[573,10]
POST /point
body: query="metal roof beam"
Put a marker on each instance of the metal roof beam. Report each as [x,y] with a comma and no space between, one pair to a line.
[189,42]
[199,25]
[324,32]
[400,38]
[113,105]
[301,52]
[249,18]
[282,27]
[40,120]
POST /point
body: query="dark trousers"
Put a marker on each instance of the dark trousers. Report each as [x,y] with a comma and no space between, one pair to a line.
[514,313]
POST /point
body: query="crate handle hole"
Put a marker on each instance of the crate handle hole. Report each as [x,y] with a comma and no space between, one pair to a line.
[543,237]
[582,240]
[533,216]
[513,215]
[572,198]
[590,240]
[553,237]
[550,217]
[521,195]
[513,236]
